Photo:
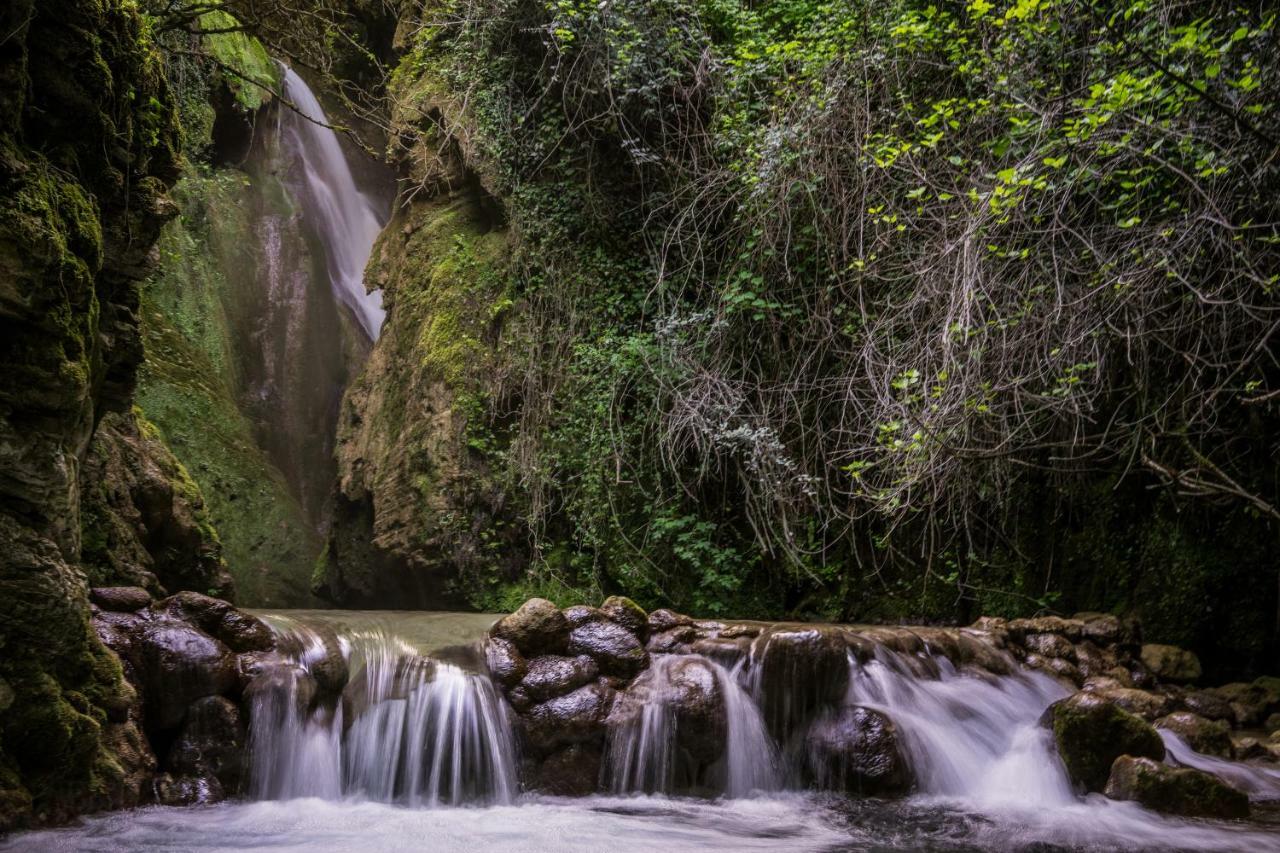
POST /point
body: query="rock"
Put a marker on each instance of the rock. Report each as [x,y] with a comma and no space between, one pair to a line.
[1272,722]
[1170,663]
[672,640]
[581,614]
[211,743]
[186,791]
[802,671]
[990,624]
[1174,790]
[613,647]
[1251,704]
[123,599]
[1051,646]
[1253,749]
[537,627]
[1103,629]
[1149,706]
[1207,736]
[663,620]
[576,718]
[1064,669]
[548,676]
[1020,629]
[687,691]
[1091,733]
[1092,660]
[1208,705]
[506,664]
[217,618]
[177,665]
[571,772]
[974,651]
[723,650]
[325,661]
[628,614]
[734,632]
[856,749]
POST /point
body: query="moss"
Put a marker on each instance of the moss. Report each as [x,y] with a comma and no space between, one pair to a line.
[1091,733]
[249,70]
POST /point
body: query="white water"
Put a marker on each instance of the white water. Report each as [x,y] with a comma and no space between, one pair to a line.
[420,733]
[343,217]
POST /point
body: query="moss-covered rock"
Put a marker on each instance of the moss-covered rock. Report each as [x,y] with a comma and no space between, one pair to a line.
[1212,737]
[1091,733]
[1174,790]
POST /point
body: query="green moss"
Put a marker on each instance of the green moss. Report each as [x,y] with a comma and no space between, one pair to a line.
[248,68]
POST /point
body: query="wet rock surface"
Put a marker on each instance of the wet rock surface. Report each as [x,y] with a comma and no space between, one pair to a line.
[1174,790]
[857,750]
[1091,733]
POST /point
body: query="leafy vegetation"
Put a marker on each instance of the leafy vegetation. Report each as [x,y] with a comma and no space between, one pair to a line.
[839,307]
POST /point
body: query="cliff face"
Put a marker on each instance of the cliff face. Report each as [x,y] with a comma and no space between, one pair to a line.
[88,145]
[414,501]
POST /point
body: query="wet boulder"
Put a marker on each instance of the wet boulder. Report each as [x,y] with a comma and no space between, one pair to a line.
[570,772]
[1208,736]
[120,599]
[1050,646]
[581,614]
[802,671]
[1020,629]
[240,631]
[210,744]
[186,790]
[548,676]
[537,627]
[1091,733]
[506,664]
[628,614]
[672,640]
[178,664]
[857,750]
[664,620]
[1170,663]
[1150,706]
[1252,703]
[1174,790]
[575,718]
[726,651]
[698,704]
[614,648]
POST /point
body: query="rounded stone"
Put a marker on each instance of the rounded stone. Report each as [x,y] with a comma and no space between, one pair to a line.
[536,627]
[856,749]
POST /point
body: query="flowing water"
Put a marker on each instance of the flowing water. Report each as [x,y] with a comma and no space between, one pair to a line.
[344,217]
[422,753]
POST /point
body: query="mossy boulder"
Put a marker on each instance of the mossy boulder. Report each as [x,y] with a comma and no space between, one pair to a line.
[1170,663]
[1091,733]
[536,627]
[628,614]
[1212,737]
[1174,790]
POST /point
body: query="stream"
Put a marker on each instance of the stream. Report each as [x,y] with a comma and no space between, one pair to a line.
[429,760]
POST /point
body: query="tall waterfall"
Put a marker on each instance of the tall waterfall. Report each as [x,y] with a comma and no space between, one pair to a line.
[344,217]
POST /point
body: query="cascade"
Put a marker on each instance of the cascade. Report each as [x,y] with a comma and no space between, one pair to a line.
[344,217]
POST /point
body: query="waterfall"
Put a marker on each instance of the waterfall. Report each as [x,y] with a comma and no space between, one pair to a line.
[344,218]
[405,729]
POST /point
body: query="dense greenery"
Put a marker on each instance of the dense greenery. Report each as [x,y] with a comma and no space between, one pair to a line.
[839,308]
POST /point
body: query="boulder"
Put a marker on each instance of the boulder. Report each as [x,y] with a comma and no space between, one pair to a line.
[1170,663]
[663,620]
[325,661]
[1174,790]
[1272,723]
[1104,629]
[698,702]
[1093,660]
[178,664]
[723,650]
[570,772]
[734,632]
[122,599]
[581,614]
[1091,733]
[856,749]
[1208,736]
[1208,705]
[802,671]
[575,718]
[672,640]
[617,650]
[628,614]
[537,627]
[1150,706]
[506,665]
[186,790]
[210,744]
[1020,629]
[548,676]
[1251,704]
[1050,646]
[217,618]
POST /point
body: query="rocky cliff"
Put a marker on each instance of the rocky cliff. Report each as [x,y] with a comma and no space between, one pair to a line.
[89,143]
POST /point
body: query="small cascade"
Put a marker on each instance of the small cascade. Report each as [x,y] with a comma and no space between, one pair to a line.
[687,723]
[344,218]
[405,729]
[1260,783]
